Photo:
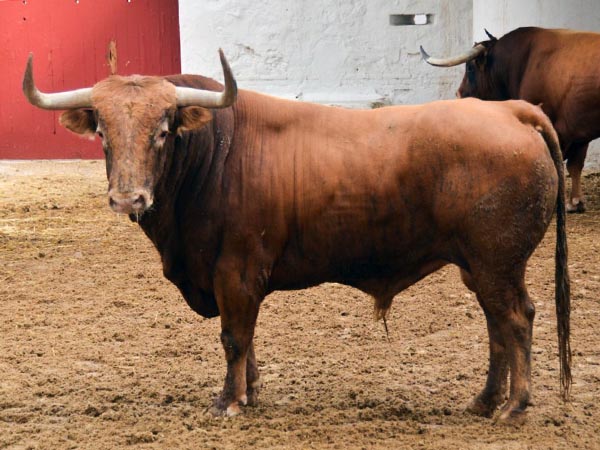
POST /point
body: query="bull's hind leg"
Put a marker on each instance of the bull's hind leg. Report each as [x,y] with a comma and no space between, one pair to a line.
[494,392]
[576,158]
[510,314]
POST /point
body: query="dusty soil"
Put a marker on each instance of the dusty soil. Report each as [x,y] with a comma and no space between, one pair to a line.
[98,350]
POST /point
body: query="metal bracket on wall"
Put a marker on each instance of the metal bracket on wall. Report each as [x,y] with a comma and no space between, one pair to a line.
[410,19]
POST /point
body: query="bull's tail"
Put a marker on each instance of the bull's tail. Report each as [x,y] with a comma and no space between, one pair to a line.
[561,277]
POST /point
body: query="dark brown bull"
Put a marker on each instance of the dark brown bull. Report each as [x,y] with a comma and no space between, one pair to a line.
[266,194]
[555,68]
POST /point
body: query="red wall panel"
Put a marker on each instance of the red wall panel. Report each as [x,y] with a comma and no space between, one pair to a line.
[69,40]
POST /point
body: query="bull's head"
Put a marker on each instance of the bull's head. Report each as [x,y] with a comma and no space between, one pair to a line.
[135,117]
[477,79]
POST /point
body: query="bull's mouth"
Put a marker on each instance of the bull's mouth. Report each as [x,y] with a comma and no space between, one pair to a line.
[133,203]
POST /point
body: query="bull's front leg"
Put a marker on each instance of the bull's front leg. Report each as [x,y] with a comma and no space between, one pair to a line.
[238,306]
[252,377]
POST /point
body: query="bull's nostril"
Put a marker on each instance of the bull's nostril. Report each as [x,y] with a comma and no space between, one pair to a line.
[139,201]
[111,202]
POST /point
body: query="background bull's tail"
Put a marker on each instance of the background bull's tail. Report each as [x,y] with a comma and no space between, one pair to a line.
[562,281]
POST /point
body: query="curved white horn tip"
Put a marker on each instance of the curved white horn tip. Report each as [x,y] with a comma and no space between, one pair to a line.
[224,61]
[28,84]
[229,77]
[28,67]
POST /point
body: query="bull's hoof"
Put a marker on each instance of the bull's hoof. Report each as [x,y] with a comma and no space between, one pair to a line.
[577,208]
[252,393]
[231,411]
[223,408]
[512,417]
[480,408]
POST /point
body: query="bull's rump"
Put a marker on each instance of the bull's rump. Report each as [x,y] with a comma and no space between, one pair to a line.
[393,194]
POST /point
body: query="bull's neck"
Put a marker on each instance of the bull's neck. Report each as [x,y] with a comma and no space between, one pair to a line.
[511,57]
[192,173]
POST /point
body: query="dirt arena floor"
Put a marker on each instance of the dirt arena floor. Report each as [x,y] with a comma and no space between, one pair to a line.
[99,351]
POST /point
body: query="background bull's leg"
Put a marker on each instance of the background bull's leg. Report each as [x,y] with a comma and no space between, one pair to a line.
[238,306]
[576,154]
[492,395]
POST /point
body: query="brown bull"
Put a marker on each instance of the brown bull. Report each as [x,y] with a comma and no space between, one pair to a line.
[245,197]
[557,68]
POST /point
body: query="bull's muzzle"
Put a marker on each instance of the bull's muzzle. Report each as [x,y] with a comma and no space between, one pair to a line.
[136,202]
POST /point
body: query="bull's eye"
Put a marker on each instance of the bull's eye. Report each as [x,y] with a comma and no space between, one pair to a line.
[100,134]
[163,134]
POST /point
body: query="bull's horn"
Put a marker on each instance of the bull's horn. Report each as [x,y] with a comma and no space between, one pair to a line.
[454,61]
[490,35]
[79,98]
[209,99]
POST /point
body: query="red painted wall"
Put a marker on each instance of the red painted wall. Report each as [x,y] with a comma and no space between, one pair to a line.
[69,40]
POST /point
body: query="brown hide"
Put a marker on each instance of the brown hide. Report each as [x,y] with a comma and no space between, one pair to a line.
[373,199]
[292,194]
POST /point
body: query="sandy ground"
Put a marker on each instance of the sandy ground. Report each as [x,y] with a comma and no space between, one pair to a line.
[98,350]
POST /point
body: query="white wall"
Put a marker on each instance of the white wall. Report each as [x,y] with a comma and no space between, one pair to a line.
[331,51]
[502,16]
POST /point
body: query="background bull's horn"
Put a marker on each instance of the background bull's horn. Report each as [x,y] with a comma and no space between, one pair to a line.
[454,61]
[210,99]
[80,98]
[490,35]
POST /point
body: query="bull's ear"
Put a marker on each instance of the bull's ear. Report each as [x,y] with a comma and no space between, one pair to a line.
[80,121]
[192,118]
[481,60]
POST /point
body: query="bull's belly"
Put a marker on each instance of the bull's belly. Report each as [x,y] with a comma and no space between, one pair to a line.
[382,274]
